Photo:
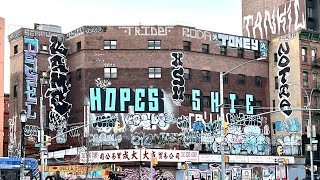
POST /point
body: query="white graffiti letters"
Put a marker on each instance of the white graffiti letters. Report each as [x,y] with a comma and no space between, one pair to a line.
[59,86]
[276,22]
[147,30]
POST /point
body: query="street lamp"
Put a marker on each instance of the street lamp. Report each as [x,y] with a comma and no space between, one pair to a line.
[23,120]
[309,127]
[222,74]
[43,81]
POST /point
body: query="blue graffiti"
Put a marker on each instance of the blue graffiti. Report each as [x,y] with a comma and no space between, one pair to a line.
[292,125]
[198,126]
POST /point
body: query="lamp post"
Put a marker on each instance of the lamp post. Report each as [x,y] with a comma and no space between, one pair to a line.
[222,74]
[42,144]
[309,127]
[23,120]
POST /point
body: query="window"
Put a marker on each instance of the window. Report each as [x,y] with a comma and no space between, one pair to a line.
[206,101]
[79,46]
[187,100]
[78,74]
[186,45]
[226,101]
[315,102]
[309,12]
[276,82]
[304,54]
[225,79]
[313,54]
[240,53]
[273,105]
[223,50]
[241,79]
[15,91]
[258,81]
[154,72]
[275,56]
[242,102]
[259,103]
[257,54]
[305,78]
[154,44]
[206,75]
[109,44]
[305,101]
[205,48]
[110,72]
[15,49]
[187,73]
[44,47]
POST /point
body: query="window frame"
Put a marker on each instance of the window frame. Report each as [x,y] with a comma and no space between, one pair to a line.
[15,91]
[78,46]
[155,72]
[313,55]
[110,72]
[186,45]
[276,82]
[15,49]
[241,79]
[109,44]
[305,78]
[78,74]
[187,100]
[152,44]
[187,73]
[240,53]
[258,81]
[206,48]
[205,75]
[225,78]
[304,52]
[223,50]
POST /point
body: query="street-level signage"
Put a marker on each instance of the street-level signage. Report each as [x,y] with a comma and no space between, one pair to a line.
[166,155]
[133,155]
[125,155]
[245,159]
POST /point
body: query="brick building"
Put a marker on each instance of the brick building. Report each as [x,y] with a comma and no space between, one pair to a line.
[6,124]
[126,63]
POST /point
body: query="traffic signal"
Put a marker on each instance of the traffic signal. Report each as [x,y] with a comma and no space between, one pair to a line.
[116,127]
[280,150]
[47,140]
[286,161]
[226,158]
[184,166]
[225,125]
[154,161]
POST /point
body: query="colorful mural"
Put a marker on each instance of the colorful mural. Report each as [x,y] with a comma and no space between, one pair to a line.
[31,75]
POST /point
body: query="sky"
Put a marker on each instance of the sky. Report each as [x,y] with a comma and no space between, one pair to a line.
[213,15]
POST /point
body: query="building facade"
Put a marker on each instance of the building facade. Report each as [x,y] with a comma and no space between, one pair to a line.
[6,125]
[146,90]
[2,29]
[270,19]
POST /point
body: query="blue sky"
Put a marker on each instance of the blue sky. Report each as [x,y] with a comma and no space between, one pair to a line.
[214,15]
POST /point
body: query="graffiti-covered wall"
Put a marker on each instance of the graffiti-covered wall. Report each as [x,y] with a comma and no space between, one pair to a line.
[285,93]
[31,75]
[58,88]
[268,19]
[141,117]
